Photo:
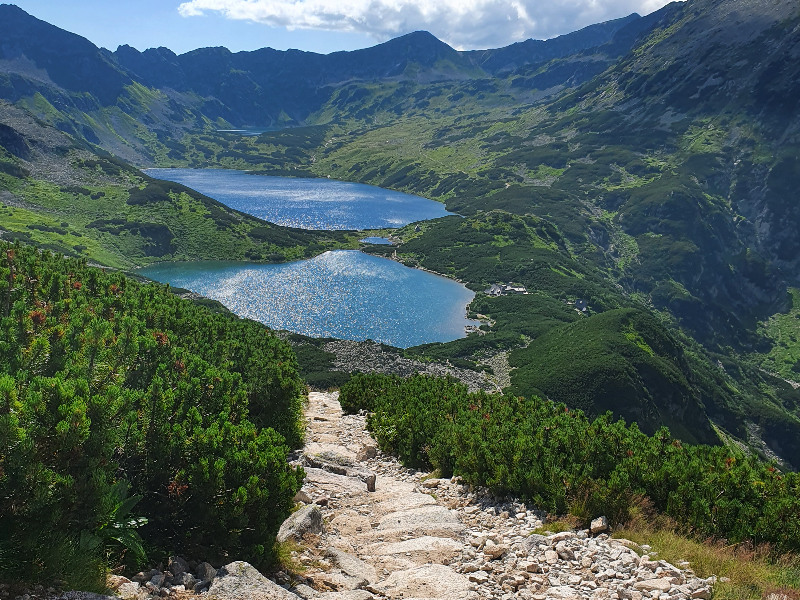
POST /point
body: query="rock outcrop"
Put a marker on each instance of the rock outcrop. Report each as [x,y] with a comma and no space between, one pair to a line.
[241,581]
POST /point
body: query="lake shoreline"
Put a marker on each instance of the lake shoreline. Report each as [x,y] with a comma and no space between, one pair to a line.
[343,294]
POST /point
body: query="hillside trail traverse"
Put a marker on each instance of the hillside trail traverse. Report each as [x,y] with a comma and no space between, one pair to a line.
[418,537]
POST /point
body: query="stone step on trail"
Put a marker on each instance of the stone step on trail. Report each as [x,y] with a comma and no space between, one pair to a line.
[402,535]
[428,538]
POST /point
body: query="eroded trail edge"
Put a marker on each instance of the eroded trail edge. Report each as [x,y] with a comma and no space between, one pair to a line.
[417,537]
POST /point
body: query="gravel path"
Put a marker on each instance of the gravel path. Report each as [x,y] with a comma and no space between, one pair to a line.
[424,538]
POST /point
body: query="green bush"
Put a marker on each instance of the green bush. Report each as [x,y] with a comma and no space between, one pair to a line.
[132,419]
[562,461]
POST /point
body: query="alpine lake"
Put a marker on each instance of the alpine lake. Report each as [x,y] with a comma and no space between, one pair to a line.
[343,294]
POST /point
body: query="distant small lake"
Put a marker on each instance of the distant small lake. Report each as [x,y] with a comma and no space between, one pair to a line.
[306,203]
[344,294]
[381,241]
[244,132]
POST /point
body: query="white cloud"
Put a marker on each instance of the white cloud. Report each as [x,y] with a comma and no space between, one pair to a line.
[461,23]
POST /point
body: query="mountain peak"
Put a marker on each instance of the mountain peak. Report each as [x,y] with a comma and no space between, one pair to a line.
[70,60]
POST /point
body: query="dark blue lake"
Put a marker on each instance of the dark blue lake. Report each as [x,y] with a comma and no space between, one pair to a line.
[306,203]
[344,294]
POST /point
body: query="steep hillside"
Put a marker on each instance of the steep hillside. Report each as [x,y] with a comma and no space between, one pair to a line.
[59,193]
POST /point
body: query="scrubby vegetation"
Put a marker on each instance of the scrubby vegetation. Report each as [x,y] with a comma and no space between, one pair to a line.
[564,462]
[134,422]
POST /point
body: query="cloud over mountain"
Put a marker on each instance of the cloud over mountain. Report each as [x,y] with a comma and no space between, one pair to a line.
[464,24]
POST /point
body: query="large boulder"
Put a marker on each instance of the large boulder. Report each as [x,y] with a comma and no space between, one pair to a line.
[241,581]
[205,572]
[429,581]
[424,520]
[306,520]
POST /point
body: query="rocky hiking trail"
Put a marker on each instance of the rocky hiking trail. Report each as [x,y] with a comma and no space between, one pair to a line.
[370,529]
[418,538]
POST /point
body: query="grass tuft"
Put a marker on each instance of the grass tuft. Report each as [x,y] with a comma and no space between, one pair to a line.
[746,572]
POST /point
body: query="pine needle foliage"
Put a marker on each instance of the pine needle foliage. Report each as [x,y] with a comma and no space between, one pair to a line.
[564,462]
[132,420]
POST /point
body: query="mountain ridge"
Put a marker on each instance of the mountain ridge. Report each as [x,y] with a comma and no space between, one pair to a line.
[301,82]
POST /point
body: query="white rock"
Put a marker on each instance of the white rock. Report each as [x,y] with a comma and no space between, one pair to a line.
[493,550]
[599,525]
[651,585]
[306,520]
[478,577]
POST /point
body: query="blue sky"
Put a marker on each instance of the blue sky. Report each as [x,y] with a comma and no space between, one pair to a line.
[322,25]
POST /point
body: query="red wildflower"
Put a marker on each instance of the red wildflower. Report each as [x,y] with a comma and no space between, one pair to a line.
[176,489]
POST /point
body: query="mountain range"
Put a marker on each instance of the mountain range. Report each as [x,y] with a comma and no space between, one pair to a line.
[646,165]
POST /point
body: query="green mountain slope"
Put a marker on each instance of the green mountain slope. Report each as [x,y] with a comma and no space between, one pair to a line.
[59,193]
[646,169]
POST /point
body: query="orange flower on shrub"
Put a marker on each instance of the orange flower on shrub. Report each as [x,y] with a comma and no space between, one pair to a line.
[176,489]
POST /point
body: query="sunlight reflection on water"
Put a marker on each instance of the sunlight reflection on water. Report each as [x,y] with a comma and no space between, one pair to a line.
[306,203]
[344,294]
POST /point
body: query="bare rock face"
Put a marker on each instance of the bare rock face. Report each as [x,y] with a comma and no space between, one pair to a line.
[306,520]
[241,581]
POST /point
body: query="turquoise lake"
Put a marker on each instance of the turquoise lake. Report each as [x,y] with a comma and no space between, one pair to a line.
[344,294]
[381,241]
[306,203]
